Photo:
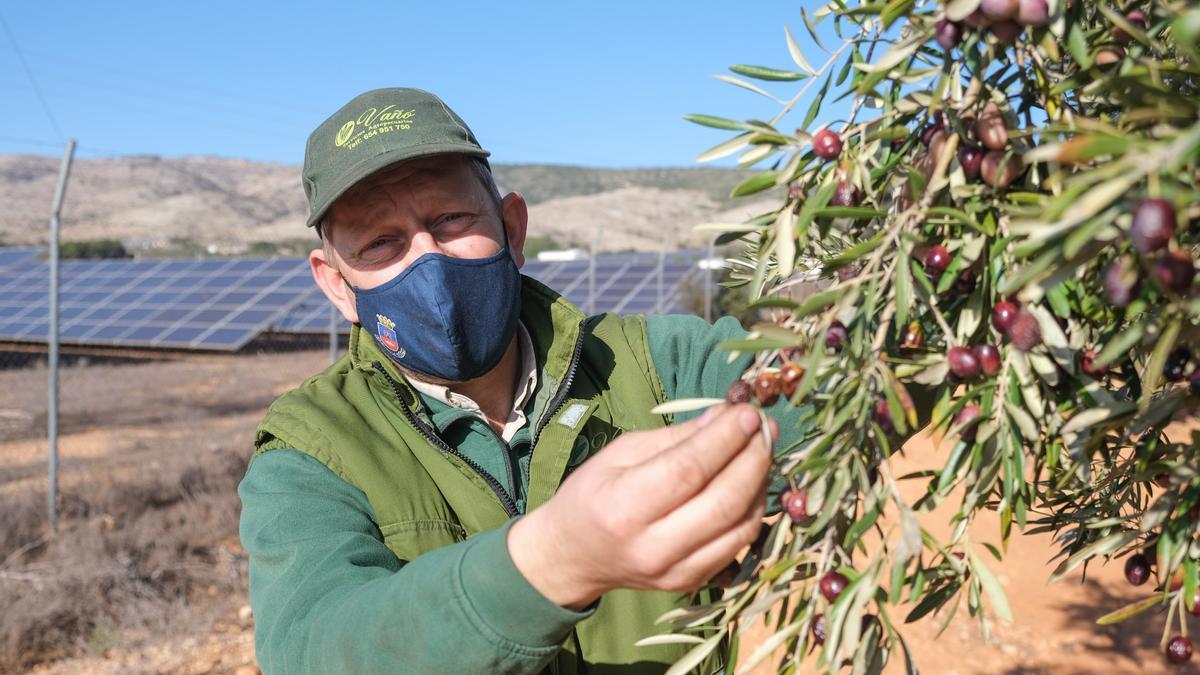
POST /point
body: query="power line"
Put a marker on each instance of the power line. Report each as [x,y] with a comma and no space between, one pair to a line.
[203,123]
[192,104]
[32,79]
[191,87]
[30,141]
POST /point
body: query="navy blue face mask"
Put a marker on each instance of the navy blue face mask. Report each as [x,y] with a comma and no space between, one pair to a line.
[448,318]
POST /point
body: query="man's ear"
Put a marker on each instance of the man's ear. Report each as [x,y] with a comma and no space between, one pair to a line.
[333,285]
[516,224]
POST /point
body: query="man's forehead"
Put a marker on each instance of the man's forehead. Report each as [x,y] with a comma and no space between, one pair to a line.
[436,177]
[427,179]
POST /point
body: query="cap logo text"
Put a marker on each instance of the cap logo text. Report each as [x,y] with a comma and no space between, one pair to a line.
[373,122]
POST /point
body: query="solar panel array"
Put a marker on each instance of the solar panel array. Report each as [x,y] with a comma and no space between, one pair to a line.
[224,303]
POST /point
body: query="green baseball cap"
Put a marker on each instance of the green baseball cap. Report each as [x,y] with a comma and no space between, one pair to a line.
[376,130]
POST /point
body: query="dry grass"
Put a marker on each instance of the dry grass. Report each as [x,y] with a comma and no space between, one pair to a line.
[147,546]
[130,553]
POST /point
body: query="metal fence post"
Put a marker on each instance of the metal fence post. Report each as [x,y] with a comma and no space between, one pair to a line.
[60,192]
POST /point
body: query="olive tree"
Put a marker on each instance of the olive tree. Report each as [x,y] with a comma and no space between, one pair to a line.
[1003,229]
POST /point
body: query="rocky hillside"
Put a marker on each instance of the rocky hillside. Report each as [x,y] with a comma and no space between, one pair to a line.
[194,204]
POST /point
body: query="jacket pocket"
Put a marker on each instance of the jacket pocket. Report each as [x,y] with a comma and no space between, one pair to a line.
[410,538]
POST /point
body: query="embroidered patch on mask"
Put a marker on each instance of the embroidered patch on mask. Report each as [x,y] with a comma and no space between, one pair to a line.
[571,417]
[387,334]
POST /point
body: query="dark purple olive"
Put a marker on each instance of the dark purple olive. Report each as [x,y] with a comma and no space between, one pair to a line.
[1033,12]
[832,585]
[1194,382]
[937,259]
[1137,19]
[1153,225]
[971,158]
[999,169]
[1137,569]
[837,335]
[989,359]
[927,134]
[818,629]
[963,362]
[1006,32]
[1175,271]
[1175,368]
[965,283]
[1179,650]
[1090,368]
[1004,314]
[947,33]
[977,19]
[991,127]
[845,194]
[827,145]
[883,416]
[1025,333]
[999,10]
[1121,282]
[795,504]
[966,420]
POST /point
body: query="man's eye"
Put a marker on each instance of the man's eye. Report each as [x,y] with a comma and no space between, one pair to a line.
[452,218]
[377,245]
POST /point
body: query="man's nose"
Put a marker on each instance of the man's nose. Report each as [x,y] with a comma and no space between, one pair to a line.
[422,242]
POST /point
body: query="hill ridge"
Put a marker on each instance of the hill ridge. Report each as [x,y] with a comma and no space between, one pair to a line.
[201,203]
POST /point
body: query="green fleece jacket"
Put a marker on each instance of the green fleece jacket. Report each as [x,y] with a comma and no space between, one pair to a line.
[328,595]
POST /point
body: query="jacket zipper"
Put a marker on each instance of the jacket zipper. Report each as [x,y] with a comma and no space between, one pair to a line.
[510,507]
[563,389]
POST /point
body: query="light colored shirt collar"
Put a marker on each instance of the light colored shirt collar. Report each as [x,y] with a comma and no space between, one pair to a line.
[525,387]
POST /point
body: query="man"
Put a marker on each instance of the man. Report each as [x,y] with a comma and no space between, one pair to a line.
[409,509]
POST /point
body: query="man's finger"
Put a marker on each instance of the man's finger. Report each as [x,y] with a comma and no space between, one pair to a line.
[626,452]
[675,475]
[737,491]
[712,556]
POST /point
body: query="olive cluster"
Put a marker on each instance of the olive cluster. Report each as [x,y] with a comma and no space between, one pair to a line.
[828,145]
[1152,236]
[1138,569]
[767,386]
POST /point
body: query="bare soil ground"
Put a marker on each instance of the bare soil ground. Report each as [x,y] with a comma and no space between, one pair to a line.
[146,574]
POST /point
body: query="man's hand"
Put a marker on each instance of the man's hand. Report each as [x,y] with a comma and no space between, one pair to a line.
[664,509]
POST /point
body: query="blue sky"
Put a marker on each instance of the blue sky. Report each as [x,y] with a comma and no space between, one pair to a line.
[595,84]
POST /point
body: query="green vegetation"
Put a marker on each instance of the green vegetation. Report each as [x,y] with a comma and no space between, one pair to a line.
[93,249]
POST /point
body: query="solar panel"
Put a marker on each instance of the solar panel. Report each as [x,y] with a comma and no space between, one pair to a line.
[223,303]
[10,256]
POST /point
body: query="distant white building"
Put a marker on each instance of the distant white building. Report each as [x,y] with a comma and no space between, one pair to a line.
[564,255]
